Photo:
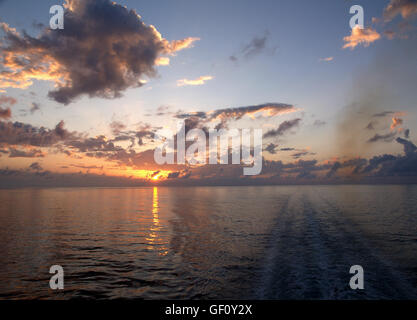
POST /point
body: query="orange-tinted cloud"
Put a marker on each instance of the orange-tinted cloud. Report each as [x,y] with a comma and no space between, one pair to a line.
[405,8]
[360,37]
[162,61]
[327,59]
[124,48]
[178,45]
[196,82]
[5,113]
[396,122]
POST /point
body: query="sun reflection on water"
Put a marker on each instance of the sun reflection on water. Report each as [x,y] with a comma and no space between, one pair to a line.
[155,241]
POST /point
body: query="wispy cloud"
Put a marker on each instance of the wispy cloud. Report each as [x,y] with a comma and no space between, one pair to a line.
[405,8]
[283,128]
[327,59]
[195,82]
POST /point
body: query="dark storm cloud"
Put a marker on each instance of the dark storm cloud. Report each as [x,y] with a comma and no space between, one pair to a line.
[17,133]
[378,160]
[389,165]
[283,128]
[103,50]
[404,166]
[409,147]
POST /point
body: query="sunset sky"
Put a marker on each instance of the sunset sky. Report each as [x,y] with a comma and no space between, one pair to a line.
[80,105]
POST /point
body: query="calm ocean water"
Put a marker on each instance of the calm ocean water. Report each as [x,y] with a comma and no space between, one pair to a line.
[272,242]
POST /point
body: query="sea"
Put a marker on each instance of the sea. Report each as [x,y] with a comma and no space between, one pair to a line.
[239,242]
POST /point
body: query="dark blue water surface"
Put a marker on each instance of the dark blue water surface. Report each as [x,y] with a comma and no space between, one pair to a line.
[272,242]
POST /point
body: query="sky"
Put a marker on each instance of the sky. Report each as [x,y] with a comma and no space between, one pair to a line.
[81,105]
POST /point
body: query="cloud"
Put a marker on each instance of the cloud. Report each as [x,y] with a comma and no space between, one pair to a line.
[361,36]
[5,113]
[223,116]
[116,127]
[35,107]
[103,50]
[283,128]
[178,45]
[32,153]
[336,166]
[371,125]
[319,123]
[196,82]
[17,133]
[256,46]
[266,109]
[389,34]
[396,122]
[383,114]
[409,147]
[35,166]
[405,8]
[162,61]
[271,148]
[7,100]
[328,59]
[302,153]
[388,137]
[100,143]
